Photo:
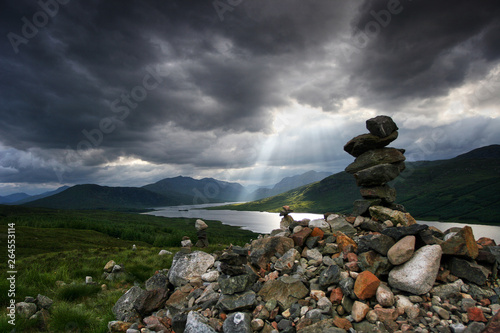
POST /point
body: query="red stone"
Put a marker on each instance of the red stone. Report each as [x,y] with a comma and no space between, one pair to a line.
[342,323]
[485,241]
[352,267]
[317,232]
[344,241]
[300,237]
[493,325]
[350,219]
[384,314]
[476,314]
[336,296]
[352,257]
[366,285]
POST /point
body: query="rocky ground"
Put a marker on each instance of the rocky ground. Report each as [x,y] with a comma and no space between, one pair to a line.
[382,273]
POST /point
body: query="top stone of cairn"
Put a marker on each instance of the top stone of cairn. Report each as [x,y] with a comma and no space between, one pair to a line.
[381,126]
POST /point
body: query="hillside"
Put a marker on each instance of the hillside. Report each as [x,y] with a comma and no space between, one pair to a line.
[289,183]
[39,196]
[462,189]
[198,190]
[11,198]
[91,196]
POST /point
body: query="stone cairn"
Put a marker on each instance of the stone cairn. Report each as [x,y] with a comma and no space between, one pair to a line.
[381,272]
[287,220]
[201,232]
[375,164]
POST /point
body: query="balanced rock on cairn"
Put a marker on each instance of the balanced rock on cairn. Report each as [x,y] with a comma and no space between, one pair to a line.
[375,165]
[287,220]
[201,232]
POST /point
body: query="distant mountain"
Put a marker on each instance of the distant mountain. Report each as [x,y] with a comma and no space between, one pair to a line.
[40,196]
[289,183]
[11,198]
[199,190]
[112,198]
[461,189]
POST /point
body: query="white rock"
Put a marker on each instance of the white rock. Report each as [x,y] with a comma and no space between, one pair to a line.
[319,223]
[88,279]
[210,276]
[200,225]
[164,252]
[332,217]
[359,311]
[384,295]
[417,275]
[186,243]
[188,265]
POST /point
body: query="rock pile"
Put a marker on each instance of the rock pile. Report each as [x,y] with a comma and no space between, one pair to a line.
[201,232]
[375,164]
[36,309]
[338,274]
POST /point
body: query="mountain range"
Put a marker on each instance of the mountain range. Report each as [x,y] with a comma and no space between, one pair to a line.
[21,198]
[464,188]
[166,192]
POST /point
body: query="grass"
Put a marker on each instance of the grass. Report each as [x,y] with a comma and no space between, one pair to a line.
[53,245]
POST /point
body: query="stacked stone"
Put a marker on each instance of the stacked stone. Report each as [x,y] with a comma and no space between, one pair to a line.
[236,281]
[201,232]
[287,220]
[375,164]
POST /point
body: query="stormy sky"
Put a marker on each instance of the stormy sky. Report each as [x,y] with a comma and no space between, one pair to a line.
[125,93]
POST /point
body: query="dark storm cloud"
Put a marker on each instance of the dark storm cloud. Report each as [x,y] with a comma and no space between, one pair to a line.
[185,85]
[420,49]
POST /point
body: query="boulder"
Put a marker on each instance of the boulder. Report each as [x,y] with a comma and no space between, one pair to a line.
[381,126]
[365,142]
[385,296]
[380,243]
[263,249]
[299,238]
[26,310]
[402,251]
[378,174]
[188,265]
[236,302]
[124,308]
[238,322]
[366,285]
[230,285]
[200,225]
[43,302]
[418,274]
[196,323]
[381,213]
[384,192]
[319,223]
[375,157]
[361,206]
[340,224]
[331,275]
[468,270]
[462,244]
[493,325]
[359,311]
[108,268]
[286,291]
[157,281]
[286,262]
[375,263]
[399,232]
[150,300]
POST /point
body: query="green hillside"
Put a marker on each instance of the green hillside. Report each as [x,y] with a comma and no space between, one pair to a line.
[462,189]
[91,196]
